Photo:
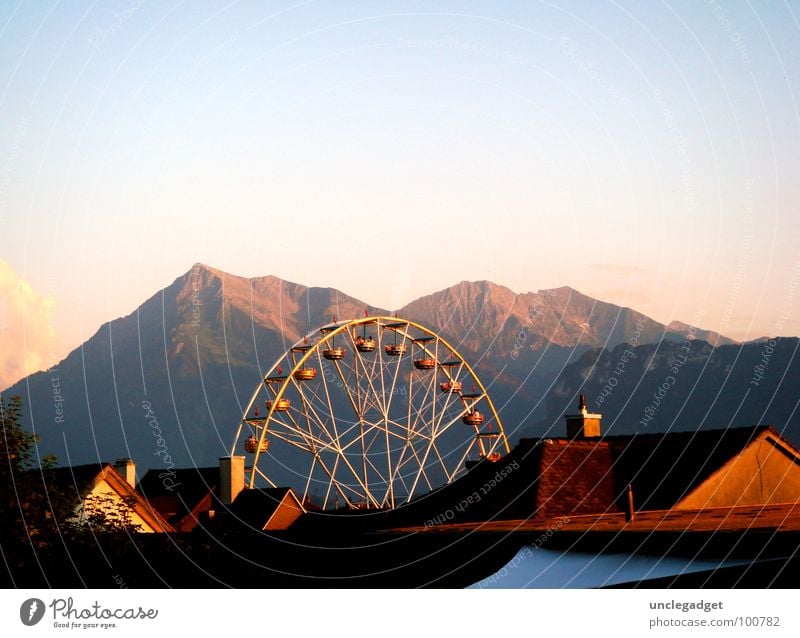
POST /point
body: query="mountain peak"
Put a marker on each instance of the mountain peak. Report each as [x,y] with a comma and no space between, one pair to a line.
[201,268]
[482,286]
[200,275]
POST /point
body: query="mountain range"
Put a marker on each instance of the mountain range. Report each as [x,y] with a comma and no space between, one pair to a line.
[166,384]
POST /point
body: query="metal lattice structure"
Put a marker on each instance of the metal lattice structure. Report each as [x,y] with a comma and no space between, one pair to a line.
[368,413]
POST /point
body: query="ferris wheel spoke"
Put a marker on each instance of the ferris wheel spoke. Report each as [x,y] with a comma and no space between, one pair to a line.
[294,426]
[402,461]
[295,433]
[459,467]
[373,435]
[335,449]
[358,360]
[346,387]
[308,480]
[400,431]
[388,495]
[435,448]
[430,353]
[359,404]
[295,441]
[305,428]
[401,479]
[390,484]
[338,484]
[365,385]
[423,463]
[264,476]
[390,396]
[341,488]
[330,484]
[448,396]
[311,416]
[417,419]
[349,434]
[428,483]
[371,394]
[375,469]
[420,472]
[445,471]
[414,409]
[382,367]
[367,430]
[449,424]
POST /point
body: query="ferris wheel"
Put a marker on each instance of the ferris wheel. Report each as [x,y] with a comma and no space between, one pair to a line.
[368,413]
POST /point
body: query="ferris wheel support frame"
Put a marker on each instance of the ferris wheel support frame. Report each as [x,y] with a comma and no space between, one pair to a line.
[400,327]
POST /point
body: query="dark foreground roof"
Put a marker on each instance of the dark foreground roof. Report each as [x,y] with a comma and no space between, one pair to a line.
[255,507]
[180,495]
[552,477]
[77,479]
[191,483]
[664,468]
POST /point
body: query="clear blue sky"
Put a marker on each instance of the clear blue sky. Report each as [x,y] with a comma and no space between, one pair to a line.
[644,153]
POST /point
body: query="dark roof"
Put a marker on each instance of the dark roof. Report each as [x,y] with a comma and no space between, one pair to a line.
[191,483]
[664,468]
[559,476]
[176,493]
[81,478]
[576,476]
[254,507]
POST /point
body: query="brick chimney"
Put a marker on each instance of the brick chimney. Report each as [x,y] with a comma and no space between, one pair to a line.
[231,478]
[127,468]
[583,425]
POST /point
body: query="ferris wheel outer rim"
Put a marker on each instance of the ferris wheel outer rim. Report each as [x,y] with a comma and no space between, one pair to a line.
[330,335]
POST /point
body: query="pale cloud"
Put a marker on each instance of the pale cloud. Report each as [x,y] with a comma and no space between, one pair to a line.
[27,332]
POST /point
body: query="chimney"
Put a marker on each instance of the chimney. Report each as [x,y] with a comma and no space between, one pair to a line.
[583,425]
[127,468]
[231,478]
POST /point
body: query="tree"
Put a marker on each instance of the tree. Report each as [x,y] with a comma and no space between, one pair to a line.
[44,525]
[27,510]
[103,514]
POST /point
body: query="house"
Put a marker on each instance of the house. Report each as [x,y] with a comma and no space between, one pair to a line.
[188,497]
[261,509]
[106,488]
[699,469]
[184,497]
[588,473]
[267,509]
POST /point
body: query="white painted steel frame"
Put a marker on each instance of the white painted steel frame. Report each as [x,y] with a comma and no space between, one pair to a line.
[370,382]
